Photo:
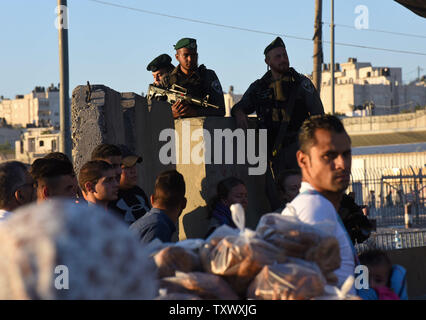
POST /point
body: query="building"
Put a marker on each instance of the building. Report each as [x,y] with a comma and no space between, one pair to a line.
[36,143]
[230,100]
[40,108]
[362,89]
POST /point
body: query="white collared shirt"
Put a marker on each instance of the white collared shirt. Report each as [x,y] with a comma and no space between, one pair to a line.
[315,208]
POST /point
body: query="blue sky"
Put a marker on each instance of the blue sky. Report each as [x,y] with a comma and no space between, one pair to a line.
[112,46]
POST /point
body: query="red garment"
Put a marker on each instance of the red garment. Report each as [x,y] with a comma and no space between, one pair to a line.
[385,293]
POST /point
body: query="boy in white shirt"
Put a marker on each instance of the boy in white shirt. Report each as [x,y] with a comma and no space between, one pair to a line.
[325,159]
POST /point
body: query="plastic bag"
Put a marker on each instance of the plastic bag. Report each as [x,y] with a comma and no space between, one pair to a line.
[290,281]
[176,258]
[334,293]
[239,257]
[304,241]
[164,295]
[238,216]
[204,285]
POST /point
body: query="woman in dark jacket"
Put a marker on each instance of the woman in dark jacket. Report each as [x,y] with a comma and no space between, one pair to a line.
[229,191]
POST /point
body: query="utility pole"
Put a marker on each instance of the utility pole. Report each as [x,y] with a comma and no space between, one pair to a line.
[418,72]
[332,57]
[65,132]
[318,55]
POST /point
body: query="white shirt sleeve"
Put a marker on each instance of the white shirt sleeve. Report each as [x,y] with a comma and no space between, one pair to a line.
[315,210]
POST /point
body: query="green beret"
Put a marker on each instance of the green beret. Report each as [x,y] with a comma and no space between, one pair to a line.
[278,42]
[162,61]
[186,43]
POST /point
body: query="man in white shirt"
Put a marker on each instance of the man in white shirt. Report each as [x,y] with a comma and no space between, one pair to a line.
[325,159]
[16,187]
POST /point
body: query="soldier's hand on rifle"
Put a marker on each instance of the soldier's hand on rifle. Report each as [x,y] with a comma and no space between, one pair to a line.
[182,109]
[241,119]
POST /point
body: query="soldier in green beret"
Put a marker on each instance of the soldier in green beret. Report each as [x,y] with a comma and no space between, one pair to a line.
[160,67]
[282,100]
[198,80]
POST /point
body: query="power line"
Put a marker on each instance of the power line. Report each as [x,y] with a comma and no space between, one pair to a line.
[252,30]
[378,30]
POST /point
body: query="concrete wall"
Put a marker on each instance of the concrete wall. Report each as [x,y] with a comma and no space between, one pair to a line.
[110,117]
[9,135]
[415,121]
[414,261]
[344,98]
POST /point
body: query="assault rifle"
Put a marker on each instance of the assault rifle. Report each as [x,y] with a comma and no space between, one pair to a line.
[176,93]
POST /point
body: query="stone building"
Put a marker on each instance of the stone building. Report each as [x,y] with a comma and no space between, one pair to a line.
[363,89]
[40,108]
[36,143]
[230,100]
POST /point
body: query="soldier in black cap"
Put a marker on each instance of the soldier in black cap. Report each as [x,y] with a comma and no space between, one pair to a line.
[282,100]
[159,67]
[197,80]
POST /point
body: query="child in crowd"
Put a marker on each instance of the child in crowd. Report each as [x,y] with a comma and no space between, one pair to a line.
[386,281]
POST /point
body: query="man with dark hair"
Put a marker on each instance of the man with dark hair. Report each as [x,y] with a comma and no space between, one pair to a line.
[325,160]
[57,155]
[132,202]
[98,183]
[64,157]
[16,187]
[199,82]
[282,100]
[168,202]
[111,154]
[160,67]
[54,178]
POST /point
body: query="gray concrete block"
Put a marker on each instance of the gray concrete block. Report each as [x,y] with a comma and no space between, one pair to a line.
[96,118]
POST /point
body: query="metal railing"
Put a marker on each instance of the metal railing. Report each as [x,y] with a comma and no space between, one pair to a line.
[385,239]
[386,192]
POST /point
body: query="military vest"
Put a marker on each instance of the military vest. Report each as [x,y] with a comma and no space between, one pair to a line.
[194,84]
[271,99]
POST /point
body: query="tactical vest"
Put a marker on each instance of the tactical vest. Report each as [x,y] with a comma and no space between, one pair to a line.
[195,84]
[272,110]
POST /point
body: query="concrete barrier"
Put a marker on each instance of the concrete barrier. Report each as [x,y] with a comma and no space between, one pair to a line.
[103,115]
[414,261]
[96,117]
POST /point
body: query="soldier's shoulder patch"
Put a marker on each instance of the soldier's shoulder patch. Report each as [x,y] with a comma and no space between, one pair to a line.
[307,85]
[216,86]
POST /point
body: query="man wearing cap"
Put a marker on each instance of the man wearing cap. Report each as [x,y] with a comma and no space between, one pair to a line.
[282,100]
[132,202]
[197,80]
[160,67]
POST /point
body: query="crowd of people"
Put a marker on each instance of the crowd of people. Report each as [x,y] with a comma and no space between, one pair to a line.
[309,156]
[314,194]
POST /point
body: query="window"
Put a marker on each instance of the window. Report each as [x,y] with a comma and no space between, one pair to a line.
[31,144]
[41,143]
[53,145]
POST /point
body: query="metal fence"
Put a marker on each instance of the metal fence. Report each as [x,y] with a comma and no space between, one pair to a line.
[385,192]
[385,239]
